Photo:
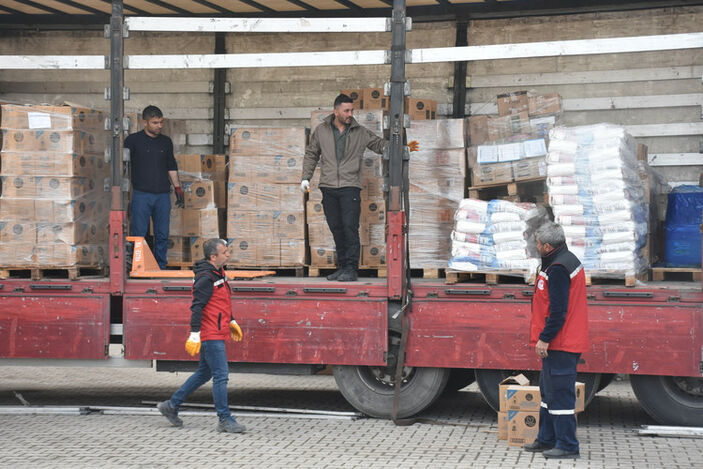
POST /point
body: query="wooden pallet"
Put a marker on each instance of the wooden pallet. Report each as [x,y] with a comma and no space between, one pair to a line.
[281,270]
[364,271]
[630,280]
[512,191]
[661,273]
[52,272]
[489,277]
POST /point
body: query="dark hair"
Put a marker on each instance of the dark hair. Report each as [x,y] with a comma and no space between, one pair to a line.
[150,112]
[342,98]
[210,247]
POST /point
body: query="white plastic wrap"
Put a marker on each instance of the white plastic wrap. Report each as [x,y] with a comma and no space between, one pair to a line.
[596,195]
[495,236]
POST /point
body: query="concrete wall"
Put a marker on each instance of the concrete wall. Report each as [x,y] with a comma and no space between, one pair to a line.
[285,96]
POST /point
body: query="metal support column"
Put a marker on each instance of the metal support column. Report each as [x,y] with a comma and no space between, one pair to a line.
[117,211]
[397,232]
[218,97]
[459,101]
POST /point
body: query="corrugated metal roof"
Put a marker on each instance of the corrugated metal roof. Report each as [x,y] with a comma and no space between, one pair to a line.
[19,12]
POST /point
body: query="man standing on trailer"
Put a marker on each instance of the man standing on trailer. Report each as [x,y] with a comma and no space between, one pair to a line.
[338,144]
[211,322]
[154,170]
[559,333]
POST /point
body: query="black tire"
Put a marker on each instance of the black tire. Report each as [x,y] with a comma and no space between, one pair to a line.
[670,400]
[459,378]
[488,381]
[605,380]
[369,391]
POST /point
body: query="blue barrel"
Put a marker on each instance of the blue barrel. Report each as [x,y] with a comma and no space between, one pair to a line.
[683,219]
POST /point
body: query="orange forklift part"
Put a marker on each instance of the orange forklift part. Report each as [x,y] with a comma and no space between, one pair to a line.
[144,265]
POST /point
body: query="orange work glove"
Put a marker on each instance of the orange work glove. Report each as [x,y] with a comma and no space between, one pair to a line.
[414,145]
[235,332]
[193,344]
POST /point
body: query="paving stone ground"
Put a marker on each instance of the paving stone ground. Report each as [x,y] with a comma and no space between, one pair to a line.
[607,430]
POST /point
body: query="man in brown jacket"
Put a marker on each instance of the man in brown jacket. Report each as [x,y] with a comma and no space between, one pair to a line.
[338,145]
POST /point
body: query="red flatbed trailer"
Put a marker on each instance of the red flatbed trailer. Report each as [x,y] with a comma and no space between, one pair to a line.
[455,333]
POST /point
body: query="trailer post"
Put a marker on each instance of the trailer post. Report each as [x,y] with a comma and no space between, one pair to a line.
[459,99]
[117,213]
[218,96]
[397,232]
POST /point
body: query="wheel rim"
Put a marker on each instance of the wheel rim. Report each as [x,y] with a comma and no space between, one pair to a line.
[687,391]
[381,379]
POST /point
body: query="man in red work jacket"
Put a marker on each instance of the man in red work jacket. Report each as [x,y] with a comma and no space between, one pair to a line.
[559,333]
[211,322]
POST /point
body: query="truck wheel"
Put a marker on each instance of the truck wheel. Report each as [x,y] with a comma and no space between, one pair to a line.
[459,378]
[670,400]
[605,380]
[488,381]
[370,389]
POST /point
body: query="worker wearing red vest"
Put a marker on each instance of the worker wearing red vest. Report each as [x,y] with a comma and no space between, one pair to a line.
[559,333]
[210,323]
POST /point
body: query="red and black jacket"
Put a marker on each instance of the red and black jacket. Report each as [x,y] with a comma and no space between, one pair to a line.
[211,310]
[564,327]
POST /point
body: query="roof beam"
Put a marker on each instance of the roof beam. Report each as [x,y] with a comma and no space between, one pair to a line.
[352,6]
[303,5]
[41,7]
[169,7]
[80,6]
[215,7]
[129,7]
[258,6]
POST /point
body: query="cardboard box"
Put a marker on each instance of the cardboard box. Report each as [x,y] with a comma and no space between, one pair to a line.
[523,427]
[512,103]
[197,194]
[201,223]
[373,98]
[507,127]
[443,134]
[51,164]
[490,174]
[580,390]
[242,252]
[420,109]
[519,380]
[241,195]
[355,95]
[195,248]
[267,141]
[529,168]
[373,212]
[178,250]
[373,256]
[372,120]
[288,224]
[319,235]
[59,141]
[323,257]
[543,105]
[195,166]
[17,209]
[12,231]
[51,117]
[502,425]
[522,398]
[317,117]
[478,130]
[292,252]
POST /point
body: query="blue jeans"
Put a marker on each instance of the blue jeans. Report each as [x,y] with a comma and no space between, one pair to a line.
[146,205]
[557,419]
[213,364]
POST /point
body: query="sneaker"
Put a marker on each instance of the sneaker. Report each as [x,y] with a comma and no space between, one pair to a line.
[170,413]
[348,275]
[230,426]
[558,453]
[335,275]
[536,447]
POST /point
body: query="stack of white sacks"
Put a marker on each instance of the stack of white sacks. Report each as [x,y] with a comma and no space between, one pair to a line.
[596,195]
[496,236]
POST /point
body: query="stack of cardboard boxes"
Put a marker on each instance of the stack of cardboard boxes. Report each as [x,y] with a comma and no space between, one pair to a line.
[437,182]
[512,146]
[265,208]
[518,417]
[54,206]
[373,206]
[200,219]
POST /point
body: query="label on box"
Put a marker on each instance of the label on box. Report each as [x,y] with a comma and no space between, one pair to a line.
[487,154]
[534,148]
[509,152]
[39,120]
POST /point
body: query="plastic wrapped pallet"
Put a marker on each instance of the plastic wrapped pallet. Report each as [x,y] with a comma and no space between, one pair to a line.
[496,236]
[596,194]
[437,182]
[373,246]
[54,206]
[265,208]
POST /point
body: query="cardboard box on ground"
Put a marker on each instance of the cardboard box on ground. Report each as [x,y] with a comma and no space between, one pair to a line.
[54,206]
[518,415]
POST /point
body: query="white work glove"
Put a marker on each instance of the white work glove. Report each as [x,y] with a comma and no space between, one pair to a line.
[305,186]
[193,344]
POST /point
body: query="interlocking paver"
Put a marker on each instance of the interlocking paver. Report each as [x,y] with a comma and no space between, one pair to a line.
[606,429]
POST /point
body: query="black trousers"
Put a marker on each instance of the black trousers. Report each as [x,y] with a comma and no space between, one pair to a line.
[342,208]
